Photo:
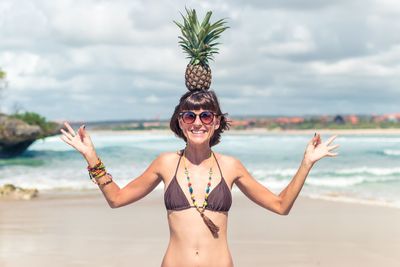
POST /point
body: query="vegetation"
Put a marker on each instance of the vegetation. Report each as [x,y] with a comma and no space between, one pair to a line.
[2,75]
[33,118]
[3,82]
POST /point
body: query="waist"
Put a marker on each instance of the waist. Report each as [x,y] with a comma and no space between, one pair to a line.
[180,254]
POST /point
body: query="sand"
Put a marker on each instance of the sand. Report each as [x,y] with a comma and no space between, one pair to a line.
[81,230]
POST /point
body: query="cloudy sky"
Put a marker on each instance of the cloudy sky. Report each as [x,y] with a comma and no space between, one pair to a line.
[98,60]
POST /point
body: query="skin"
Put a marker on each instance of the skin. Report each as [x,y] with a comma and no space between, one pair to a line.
[191,243]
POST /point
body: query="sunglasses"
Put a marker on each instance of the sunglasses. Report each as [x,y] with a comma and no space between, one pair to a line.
[189,117]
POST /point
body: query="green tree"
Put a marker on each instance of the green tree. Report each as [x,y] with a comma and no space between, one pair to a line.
[3,84]
[33,118]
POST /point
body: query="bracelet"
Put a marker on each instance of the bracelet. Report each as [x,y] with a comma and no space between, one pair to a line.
[97,171]
[106,182]
[98,165]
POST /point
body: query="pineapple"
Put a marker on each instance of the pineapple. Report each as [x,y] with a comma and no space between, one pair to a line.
[198,41]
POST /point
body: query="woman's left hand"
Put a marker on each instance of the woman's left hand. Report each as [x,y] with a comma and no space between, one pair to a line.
[316,150]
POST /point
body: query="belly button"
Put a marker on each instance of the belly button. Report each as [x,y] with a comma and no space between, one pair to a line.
[197,253]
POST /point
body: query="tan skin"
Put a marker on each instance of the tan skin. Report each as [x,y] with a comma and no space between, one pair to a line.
[189,247]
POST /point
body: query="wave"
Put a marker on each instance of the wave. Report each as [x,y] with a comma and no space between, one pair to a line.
[365,139]
[359,171]
[369,171]
[391,152]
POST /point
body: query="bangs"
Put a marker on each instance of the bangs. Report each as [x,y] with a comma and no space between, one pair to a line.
[200,100]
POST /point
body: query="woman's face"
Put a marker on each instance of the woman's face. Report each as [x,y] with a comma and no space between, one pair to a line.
[200,130]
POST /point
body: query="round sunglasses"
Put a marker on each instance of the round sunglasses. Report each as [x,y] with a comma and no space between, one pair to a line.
[189,117]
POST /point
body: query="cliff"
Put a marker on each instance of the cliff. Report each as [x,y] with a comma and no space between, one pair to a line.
[17,135]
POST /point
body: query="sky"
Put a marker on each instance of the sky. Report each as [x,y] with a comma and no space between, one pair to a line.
[93,60]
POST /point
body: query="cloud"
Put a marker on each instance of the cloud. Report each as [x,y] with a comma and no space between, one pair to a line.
[277,57]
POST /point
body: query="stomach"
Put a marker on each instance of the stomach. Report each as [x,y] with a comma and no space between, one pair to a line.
[191,242]
[178,255]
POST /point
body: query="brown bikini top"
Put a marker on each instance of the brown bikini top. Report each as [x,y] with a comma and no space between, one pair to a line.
[219,199]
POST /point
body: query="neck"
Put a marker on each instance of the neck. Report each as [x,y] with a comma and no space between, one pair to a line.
[197,154]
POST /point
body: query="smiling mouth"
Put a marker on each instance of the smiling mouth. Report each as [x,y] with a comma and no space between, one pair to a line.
[197,131]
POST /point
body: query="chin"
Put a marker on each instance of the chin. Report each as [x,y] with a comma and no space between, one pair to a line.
[198,141]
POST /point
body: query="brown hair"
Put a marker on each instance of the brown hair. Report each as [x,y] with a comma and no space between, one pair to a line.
[195,100]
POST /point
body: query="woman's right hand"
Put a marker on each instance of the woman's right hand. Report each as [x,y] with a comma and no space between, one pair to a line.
[81,141]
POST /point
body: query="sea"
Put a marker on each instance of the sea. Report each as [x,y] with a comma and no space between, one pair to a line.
[367,169]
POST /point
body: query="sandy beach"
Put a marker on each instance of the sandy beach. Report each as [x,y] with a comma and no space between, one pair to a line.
[81,230]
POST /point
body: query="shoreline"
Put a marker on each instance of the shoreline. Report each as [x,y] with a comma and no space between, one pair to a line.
[49,194]
[262,131]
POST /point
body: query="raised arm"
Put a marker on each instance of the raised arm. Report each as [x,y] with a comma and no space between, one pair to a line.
[135,190]
[282,203]
[116,197]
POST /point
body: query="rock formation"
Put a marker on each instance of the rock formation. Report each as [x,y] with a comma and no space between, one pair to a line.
[11,191]
[16,135]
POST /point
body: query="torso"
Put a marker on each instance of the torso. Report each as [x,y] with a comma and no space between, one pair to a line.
[191,242]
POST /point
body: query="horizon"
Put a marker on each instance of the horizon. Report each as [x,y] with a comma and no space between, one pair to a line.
[232,117]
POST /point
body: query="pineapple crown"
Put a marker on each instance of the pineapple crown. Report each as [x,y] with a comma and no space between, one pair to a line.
[199,41]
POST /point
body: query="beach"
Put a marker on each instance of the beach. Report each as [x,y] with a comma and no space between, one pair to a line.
[347,214]
[80,229]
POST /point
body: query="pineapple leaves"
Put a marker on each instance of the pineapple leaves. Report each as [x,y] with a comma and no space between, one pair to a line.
[206,19]
[198,41]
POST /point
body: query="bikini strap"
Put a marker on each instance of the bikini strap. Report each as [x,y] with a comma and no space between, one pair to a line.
[177,166]
[218,165]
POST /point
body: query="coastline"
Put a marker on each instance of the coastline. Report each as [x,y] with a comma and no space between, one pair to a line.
[81,230]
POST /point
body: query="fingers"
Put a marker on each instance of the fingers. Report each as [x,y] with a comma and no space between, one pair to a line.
[332,147]
[316,140]
[67,134]
[330,140]
[65,139]
[81,132]
[71,131]
[332,154]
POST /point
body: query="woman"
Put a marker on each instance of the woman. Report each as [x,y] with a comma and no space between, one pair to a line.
[197,217]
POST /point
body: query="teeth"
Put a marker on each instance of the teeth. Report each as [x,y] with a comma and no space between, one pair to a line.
[198,132]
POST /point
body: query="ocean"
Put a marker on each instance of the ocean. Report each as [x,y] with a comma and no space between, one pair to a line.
[367,169]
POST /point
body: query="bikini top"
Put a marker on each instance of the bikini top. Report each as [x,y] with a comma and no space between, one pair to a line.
[219,199]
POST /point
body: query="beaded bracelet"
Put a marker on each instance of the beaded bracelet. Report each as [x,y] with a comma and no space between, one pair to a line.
[98,171]
[106,182]
[98,166]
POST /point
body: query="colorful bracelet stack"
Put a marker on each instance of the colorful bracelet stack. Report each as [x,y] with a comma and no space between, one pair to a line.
[98,171]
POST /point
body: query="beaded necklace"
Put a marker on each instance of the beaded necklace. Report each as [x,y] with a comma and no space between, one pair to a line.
[210,224]
[199,208]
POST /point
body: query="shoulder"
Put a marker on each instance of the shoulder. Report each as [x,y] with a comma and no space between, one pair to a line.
[167,159]
[165,164]
[230,166]
[227,161]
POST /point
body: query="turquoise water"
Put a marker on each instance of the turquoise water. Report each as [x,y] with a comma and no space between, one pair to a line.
[367,170]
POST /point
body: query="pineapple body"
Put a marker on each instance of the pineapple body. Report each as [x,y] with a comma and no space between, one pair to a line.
[198,77]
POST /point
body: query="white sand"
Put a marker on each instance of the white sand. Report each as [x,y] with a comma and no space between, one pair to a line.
[81,230]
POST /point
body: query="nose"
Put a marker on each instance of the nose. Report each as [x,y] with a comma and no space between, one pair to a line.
[197,121]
